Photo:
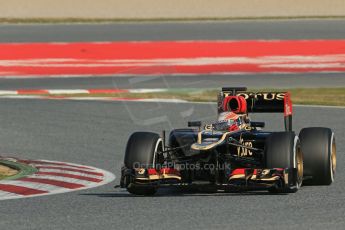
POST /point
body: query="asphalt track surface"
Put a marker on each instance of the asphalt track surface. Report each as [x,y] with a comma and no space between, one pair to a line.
[228,30]
[231,30]
[95,133]
[197,81]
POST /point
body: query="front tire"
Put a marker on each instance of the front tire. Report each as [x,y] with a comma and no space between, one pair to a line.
[283,150]
[319,150]
[141,152]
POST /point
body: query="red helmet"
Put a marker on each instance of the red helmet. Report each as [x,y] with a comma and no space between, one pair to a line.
[235,104]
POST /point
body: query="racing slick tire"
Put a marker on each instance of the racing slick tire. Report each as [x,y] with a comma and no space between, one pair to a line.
[141,152]
[319,151]
[283,150]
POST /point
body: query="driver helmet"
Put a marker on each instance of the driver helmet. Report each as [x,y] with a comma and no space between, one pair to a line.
[234,120]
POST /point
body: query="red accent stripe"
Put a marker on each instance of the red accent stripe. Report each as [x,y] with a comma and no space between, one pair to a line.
[238,171]
[71,170]
[32,92]
[20,190]
[241,171]
[70,176]
[169,49]
[154,70]
[53,182]
[98,58]
[287,104]
[152,172]
[169,171]
[54,163]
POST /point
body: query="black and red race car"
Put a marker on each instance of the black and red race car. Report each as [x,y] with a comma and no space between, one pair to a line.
[232,153]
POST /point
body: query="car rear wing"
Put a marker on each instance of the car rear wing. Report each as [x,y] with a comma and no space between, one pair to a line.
[261,102]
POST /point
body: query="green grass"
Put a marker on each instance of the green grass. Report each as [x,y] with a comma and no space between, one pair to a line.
[305,96]
[21,168]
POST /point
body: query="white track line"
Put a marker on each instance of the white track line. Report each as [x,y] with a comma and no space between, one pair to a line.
[8,92]
[7,195]
[58,163]
[63,179]
[67,167]
[71,172]
[33,185]
[77,91]
[66,91]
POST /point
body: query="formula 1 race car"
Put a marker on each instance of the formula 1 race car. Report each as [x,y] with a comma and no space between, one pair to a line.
[232,153]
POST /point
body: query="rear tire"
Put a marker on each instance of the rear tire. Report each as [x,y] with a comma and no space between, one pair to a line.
[141,152]
[283,151]
[319,150]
